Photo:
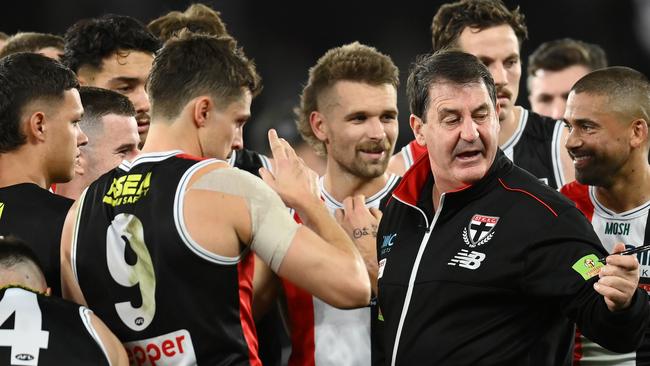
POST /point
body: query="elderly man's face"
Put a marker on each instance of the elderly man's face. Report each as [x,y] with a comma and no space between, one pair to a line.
[461,132]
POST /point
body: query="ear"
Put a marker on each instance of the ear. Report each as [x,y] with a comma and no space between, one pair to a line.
[82,80]
[318,125]
[36,126]
[201,110]
[416,126]
[639,133]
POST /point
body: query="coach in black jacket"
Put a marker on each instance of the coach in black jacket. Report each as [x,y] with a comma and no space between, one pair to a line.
[479,262]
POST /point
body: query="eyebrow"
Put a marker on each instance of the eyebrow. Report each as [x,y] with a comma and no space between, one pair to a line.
[359,112]
[453,111]
[124,79]
[482,107]
[125,146]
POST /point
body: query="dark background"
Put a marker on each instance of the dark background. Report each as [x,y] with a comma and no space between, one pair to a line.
[285,38]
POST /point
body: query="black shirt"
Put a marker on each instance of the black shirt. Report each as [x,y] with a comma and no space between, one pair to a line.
[142,273]
[36,216]
[46,331]
[494,276]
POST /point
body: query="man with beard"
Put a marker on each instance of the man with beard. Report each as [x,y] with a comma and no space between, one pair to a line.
[40,137]
[179,220]
[490,31]
[348,112]
[109,122]
[607,116]
[114,52]
[480,262]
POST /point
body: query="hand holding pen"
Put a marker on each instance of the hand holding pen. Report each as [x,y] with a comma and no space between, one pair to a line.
[619,278]
[636,250]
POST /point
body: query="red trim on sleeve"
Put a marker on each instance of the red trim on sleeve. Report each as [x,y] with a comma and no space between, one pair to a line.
[530,194]
[245,269]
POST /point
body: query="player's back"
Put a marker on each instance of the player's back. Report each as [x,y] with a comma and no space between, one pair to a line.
[166,298]
[46,331]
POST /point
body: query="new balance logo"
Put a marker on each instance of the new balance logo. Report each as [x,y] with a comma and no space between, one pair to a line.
[466,259]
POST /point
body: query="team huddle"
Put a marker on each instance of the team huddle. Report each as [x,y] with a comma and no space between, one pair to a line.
[135,228]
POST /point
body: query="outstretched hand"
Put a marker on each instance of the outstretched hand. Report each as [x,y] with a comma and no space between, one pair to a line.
[292,179]
[619,279]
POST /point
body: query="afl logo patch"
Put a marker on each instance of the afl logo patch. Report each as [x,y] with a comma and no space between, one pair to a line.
[24,357]
[479,230]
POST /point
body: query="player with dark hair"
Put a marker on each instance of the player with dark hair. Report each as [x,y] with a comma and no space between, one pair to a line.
[554,67]
[490,31]
[109,122]
[179,220]
[40,138]
[114,52]
[607,116]
[46,331]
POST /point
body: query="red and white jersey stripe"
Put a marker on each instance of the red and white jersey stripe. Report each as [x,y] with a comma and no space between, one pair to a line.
[324,335]
[631,228]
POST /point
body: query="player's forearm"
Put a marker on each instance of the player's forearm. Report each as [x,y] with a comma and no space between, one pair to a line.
[315,216]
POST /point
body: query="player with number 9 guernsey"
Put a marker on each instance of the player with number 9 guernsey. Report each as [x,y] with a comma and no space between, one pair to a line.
[161,247]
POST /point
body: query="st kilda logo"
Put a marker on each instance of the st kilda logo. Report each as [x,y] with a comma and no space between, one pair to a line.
[479,230]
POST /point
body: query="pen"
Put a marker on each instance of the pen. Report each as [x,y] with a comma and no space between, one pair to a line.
[640,249]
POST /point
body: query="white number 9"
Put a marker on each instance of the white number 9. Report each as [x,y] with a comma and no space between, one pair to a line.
[127,229]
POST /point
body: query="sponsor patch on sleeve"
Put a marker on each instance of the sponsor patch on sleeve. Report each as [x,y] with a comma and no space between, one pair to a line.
[587,266]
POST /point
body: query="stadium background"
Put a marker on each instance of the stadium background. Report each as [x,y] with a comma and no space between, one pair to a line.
[286,37]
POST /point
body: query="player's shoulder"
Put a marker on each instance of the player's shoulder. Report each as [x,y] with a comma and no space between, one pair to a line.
[539,125]
[250,161]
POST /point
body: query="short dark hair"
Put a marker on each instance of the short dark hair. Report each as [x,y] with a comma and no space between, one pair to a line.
[196,64]
[89,41]
[14,250]
[351,62]
[197,18]
[99,102]
[25,77]
[31,42]
[627,90]
[450,20]
[445,66]
[559,54]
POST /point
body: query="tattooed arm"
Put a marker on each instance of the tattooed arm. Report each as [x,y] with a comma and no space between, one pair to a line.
[361,224]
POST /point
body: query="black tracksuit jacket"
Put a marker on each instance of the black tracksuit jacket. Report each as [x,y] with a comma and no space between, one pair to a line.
[489,278]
